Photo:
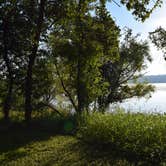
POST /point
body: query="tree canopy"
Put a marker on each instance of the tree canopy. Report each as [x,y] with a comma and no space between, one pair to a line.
[60,48]
[158,37]
[133,56]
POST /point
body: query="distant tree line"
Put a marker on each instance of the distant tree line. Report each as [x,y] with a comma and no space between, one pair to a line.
[153,78]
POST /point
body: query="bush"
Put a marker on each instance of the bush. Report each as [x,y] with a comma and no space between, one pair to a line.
[136,136]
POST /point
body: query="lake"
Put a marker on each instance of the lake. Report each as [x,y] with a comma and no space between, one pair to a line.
[155,104]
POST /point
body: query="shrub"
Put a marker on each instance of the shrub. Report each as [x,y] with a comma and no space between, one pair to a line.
[137,136]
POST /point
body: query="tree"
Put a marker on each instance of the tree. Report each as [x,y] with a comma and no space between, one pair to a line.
[27,23]
[158,37]
[134,55]
[90,39]
[41,14]
[8,98]
[33,53]
[78,45]
[12,41]
[75,55]
[141,9]
[44,85]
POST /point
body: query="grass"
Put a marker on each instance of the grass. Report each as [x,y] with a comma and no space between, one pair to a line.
[56,150]
[102,139]
[48,141]
[140,138]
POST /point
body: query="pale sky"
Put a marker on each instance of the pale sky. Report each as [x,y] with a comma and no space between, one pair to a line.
[158,18]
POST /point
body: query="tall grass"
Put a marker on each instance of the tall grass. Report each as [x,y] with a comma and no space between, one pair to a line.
[138,137]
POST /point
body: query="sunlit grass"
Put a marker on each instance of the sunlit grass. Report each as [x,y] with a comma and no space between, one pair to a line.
[138,137]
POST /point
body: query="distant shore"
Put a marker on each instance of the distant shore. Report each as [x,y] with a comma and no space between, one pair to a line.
[154,78]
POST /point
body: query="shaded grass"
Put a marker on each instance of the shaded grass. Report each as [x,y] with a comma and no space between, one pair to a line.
[58,151]
[48,140]
[17,133]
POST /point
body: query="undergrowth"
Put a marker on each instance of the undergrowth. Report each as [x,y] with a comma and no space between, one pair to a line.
[136,136]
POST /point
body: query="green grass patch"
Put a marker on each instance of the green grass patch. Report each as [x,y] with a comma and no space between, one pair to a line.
[119,139]
[48,141]
[140,138]
[57,151]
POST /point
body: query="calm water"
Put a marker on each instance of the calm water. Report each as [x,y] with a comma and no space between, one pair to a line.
[156,104]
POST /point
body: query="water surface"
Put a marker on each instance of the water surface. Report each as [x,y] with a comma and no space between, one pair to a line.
[155,104]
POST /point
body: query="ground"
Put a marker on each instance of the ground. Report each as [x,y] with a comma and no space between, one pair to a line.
[42,148]
[55,151]
[56,141]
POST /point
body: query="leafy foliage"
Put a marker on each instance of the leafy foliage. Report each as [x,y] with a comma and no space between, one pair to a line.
[79,52]
[133,56]
[139,137]
[158,37]
[68,42]
[141,9]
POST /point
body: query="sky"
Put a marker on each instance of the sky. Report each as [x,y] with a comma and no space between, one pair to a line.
[124,18]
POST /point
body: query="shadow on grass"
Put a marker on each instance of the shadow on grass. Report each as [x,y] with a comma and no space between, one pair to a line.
[69,151]
[80,154]
[16,134]
[63,151]
[111,155]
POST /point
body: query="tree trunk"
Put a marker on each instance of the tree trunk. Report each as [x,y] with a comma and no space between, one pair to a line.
[79,83]
[32,57]
[28,91]
[8,98]
[65,89]
[79,95]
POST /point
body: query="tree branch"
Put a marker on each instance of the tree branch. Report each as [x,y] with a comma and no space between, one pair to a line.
[49,105]
[64,88]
